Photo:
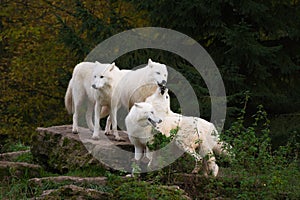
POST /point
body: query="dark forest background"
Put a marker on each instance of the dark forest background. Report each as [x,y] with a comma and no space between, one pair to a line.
[255,44]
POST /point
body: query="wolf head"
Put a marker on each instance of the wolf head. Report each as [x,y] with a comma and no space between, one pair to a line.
[159,72]
[102,77]
[160,100]
[146,114]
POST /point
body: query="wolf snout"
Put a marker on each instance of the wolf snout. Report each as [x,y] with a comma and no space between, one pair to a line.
[162,86]
[162,89]
[163,83]
[154,122]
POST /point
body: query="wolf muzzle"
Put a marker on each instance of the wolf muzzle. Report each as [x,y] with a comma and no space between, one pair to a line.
[162,86]
[154,123]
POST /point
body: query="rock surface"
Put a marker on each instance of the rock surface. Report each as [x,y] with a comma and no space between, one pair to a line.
[59,150]
[19,169]
[74,192]
[34,182]
[11,156]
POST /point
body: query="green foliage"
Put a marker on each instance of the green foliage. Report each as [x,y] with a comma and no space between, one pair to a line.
[160,140]
[262,173]
[33,69]
[18,146]
[26,157]
[14,189]
[91,27]
[256,171]
[254,43]
[40,43]
[88,171]
[144,190]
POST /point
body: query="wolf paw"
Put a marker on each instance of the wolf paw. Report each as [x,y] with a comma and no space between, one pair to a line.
[95,137]
[108,133]
[118,138]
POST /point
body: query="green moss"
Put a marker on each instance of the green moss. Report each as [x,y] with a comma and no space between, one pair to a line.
[17,146]
[66,141]
[144,190]
[25,157]
[88,171]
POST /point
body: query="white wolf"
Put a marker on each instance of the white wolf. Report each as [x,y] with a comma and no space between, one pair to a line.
[139,122]
[85,76]
[104,83]
[193,133]
[136,86]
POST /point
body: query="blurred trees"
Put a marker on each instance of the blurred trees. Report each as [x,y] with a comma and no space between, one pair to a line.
[41,42]
[31,62]
[254,43]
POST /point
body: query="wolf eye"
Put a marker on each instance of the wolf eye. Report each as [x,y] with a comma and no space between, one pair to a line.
[152,112]
[167,97]
[95,76]
[101,76]
[158,73]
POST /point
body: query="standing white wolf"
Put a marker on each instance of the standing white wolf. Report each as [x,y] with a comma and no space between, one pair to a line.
[91,82]
[139,123]
[193,133]
[136,86]
[104,83]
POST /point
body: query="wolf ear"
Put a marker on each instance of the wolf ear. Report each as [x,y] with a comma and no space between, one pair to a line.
[137,105]
[150,62]
[112,66]
[97,62]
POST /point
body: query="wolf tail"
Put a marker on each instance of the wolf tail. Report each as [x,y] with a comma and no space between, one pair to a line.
[68,98]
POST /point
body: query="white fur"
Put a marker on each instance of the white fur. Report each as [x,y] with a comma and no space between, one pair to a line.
[139,128]
[85,75]
[136,86]
[194,133]
[104,84]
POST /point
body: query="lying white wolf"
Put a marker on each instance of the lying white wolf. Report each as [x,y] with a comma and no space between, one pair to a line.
[136,86]
[91,82]
[194,133]
[139,123]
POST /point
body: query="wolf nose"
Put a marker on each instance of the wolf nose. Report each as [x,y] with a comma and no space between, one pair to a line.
[94,86]
[159,121]
[164,82]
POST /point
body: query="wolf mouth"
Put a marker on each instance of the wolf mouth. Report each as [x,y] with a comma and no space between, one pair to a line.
[162,87]
[153,122]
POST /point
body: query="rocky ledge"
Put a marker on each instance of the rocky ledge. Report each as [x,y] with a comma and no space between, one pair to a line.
[57,149]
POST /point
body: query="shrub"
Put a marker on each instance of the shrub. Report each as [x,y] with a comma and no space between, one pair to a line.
[160,140]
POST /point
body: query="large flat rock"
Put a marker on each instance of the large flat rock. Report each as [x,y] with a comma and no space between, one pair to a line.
[74,192]
[57,149]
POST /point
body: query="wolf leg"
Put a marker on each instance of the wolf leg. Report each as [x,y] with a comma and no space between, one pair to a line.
[89,115]
[108,125]
[97,127]
[113,116]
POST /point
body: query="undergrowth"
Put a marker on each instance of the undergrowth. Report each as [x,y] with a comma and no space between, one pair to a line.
[160,140]
[256,171]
